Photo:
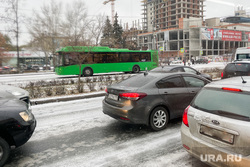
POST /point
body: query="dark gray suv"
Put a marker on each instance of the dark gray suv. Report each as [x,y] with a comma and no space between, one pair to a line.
[17,123]
[152,99]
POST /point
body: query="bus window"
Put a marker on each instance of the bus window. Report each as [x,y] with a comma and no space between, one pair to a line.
[112,57]
[136,57]
[125,57]
[99,58]
[66,60]
[145,57]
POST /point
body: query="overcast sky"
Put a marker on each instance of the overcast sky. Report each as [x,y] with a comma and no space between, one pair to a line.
[130,10]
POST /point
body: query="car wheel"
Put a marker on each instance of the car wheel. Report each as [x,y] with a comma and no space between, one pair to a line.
[4,151]
[159,118]
[136,69]
[87,72]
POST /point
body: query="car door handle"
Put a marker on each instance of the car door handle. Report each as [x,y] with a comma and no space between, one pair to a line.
[165,92]
[193,91]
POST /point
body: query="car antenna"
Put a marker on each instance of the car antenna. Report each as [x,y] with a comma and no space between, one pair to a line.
[243,81]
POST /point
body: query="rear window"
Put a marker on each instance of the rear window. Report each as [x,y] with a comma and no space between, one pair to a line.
[238,67]
[226,103]
[137,81]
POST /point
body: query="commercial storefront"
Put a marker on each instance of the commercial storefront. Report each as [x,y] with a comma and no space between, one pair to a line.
[27,58]
[194,42]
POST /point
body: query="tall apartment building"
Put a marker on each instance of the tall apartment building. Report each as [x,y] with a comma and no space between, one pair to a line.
[165,14]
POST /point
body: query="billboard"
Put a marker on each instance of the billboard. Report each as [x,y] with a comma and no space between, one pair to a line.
[224,35]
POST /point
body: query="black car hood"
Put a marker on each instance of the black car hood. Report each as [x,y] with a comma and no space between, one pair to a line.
[7,102]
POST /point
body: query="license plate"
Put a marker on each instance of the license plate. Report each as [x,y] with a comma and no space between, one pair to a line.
[113,97]
[217,134]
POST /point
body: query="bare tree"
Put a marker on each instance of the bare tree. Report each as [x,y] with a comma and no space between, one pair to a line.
[75,27]
[96,28]
[45,28]
[12,17]
[4,46]
[75,24]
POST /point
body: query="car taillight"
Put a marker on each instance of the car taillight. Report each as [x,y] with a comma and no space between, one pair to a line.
[133,96]
[232,89]
[106,90]
[185,116]
[222,74]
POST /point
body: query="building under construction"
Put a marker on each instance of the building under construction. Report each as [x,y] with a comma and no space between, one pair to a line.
[177,29]
[165,14]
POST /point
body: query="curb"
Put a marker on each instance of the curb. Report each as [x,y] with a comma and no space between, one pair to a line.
[62,99]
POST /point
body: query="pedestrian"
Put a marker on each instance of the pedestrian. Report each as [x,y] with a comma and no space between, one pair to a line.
[193,61]
[184,61]
[189,62]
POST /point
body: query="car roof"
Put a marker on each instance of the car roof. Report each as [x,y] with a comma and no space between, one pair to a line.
[240,61]
[169,67]
[163,75]
[234,82]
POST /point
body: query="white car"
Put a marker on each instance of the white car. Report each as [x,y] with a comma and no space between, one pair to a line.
[216,125]
[176,62]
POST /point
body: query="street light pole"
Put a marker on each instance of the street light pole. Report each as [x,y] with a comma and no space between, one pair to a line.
[17,37]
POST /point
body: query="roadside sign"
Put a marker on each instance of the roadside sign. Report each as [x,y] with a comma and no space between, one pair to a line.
[201,52]
[161,48]
[182,50]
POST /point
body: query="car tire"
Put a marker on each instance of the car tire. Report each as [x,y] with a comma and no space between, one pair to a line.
[136,69]
[159,118]
[87,72]
[4,151]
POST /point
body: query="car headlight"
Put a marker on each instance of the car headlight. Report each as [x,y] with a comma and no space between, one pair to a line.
[26,116]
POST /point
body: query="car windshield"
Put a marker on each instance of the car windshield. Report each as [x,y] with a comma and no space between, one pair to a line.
[137,81]
[225,103]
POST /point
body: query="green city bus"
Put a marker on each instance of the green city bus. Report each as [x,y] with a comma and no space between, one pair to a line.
[85,60]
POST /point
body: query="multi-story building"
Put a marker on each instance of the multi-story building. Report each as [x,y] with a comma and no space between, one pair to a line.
[191,37]
[165,14]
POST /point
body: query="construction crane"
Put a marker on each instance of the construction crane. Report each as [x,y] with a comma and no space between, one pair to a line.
[112,8]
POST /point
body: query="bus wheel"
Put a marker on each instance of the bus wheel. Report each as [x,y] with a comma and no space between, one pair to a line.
[136,69]
[87,72]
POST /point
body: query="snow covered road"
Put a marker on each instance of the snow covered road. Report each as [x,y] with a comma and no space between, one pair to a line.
[77,133]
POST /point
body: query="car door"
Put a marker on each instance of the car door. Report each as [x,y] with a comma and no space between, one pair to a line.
[175,94]
[194,85]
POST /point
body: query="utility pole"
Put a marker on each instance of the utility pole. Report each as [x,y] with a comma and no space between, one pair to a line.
[112,9]
[17,37]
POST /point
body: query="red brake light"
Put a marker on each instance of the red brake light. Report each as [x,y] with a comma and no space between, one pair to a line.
[222,74]
[133,96]
[106,90]
[185,116]
[232,89]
